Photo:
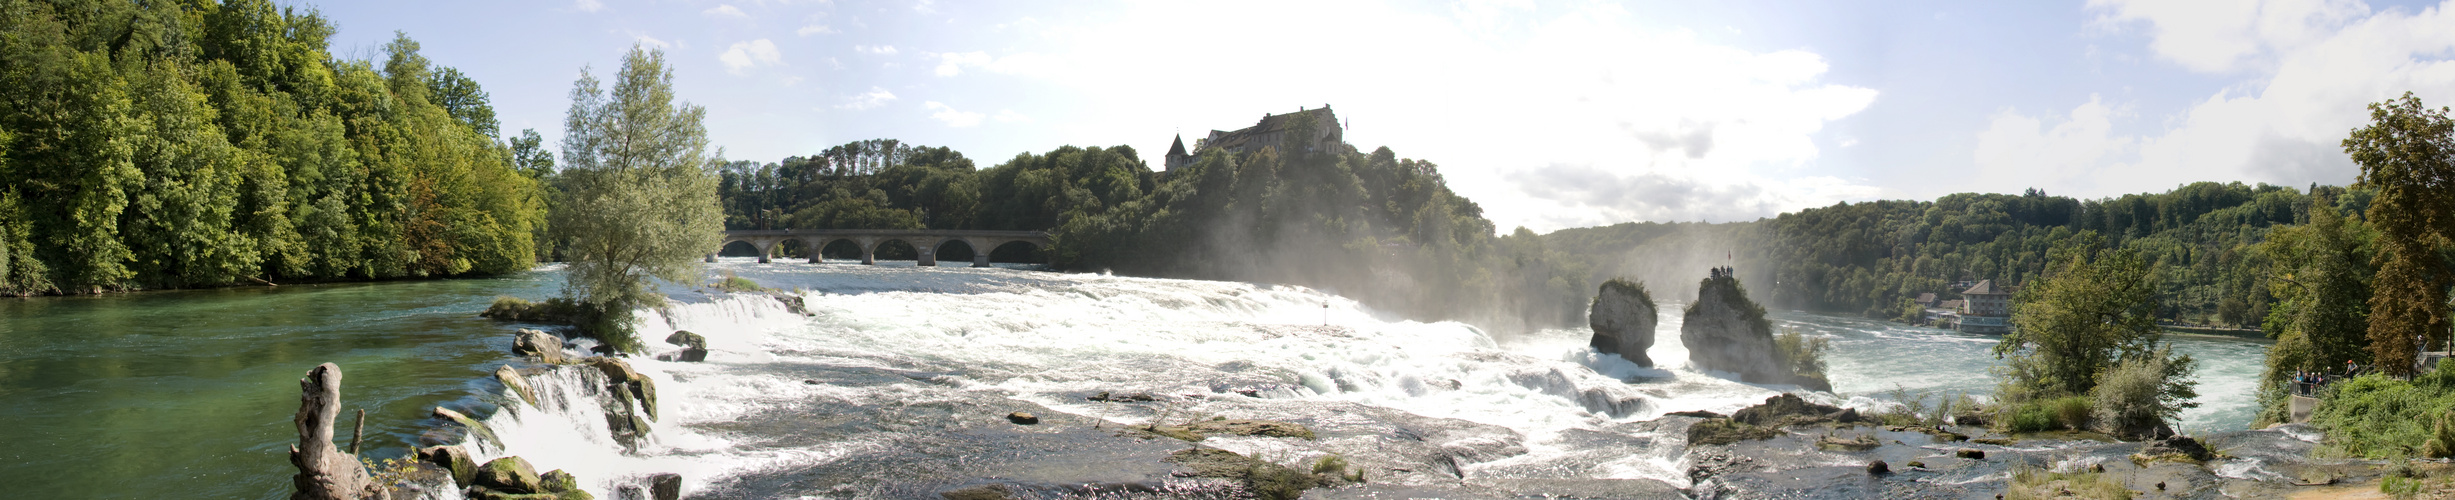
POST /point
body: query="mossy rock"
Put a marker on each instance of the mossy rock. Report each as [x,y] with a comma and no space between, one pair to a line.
[1727,431]
[557,481]
[1261,478]
[484,434]
[1200,430]
[452,459]
[510,475]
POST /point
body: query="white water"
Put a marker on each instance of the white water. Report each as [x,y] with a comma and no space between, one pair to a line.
[1039,337]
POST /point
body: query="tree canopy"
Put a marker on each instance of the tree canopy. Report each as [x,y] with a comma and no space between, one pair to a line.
[639,198]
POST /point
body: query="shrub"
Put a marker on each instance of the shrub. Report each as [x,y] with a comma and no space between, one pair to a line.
[1803,353]
[2071,412]
[2029,482]
[2376,417]
[731,283]
[2142,392]
[2032,418]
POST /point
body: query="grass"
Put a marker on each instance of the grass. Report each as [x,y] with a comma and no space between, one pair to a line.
[2032,483]
[736,284]
[2376,417]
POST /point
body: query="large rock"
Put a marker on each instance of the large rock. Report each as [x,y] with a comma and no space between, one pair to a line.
[1623,319]
[1724,331]
[519,386]
[511,475]
[694,347]
[539,345]
[324,472]
[454,459]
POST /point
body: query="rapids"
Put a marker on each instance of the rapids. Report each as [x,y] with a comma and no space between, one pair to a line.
[882,390]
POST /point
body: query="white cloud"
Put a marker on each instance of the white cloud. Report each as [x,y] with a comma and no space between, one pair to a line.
[1010,116]
[589,5]
[651,41]
[814,29]
[876,97]
[743,56]
[953,118]
[884,50]
[2309,66]
[2017,151]
[951,64]
[1548,93]
[725,10]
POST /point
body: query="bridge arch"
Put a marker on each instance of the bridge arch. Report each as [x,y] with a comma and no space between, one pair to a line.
[924,242]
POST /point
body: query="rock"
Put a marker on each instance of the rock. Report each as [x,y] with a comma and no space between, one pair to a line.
[1725,331]
[1259,477]
[640,386]
[1971,419]
[2177,448]
[793,303]
[1914,464]
[510,475]
[539,345]
[1242,427]
[1878,468]
[694,347]
[484,435]
[981,492]
[1727,431]
[1861,443]
[511,379]
[1697,414]
[324,472]
[557,481]
[1622,316]
[1970,453]
[1022,418]
[1139,397]
[1788,409]
[665,486]
[454,459]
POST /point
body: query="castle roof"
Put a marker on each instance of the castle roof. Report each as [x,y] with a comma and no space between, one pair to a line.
[1178,148]
[1243,139]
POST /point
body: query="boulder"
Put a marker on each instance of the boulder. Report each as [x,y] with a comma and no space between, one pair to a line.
[324,472]
[510,475]
[980,492]
[2175,449]
[1878,468]
[454,459]
[1787,409]
[484,435]
[557,481]
[1970,453]
[539,346]
[1623,319]
[511,379]
[1724,331]
[665,486]
[1022,418]
[694,347]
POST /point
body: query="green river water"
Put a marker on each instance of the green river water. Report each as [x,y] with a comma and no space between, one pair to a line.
[189,394]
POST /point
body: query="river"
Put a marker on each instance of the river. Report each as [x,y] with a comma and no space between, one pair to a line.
[189,394]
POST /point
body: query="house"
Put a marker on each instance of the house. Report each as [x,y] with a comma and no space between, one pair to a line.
[1926,299]
[1986,308]
[1273,130]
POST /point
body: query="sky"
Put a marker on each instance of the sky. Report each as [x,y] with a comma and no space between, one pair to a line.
[1549,115]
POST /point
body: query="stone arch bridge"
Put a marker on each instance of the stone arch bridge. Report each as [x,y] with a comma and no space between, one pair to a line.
[924,241]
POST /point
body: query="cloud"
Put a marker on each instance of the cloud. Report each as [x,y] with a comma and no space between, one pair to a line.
[876,97]
[1585,195]
[884,50]
[2308,69]
[725,10]
[743,56]
[1009,116]
[589,5]
[651,41]
[951,64]
[814,29]
[953,118]
[2017,151]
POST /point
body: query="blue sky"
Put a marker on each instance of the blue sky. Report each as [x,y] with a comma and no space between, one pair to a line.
[1549,114]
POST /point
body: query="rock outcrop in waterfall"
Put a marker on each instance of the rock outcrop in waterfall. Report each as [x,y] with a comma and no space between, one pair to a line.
[1623,319]
[1725,331]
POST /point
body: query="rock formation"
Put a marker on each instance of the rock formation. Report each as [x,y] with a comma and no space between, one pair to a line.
[633,404]
[694,347]
[324,472]
[1725,331]
[1623,319]
[538,345]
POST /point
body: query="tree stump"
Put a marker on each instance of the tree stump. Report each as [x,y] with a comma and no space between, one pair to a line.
[324,472]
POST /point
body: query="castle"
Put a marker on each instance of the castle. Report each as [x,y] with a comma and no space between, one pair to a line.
[1327,133]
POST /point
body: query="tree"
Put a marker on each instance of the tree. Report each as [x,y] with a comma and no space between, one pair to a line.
[2322,284]
[2407,154]
[2095,309]
[641,199]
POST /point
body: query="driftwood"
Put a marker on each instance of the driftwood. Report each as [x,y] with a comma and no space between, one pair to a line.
[325,473]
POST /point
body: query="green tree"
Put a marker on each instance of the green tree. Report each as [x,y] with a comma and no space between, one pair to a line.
[641,199]
[2096,309]
[2322,285]
[2407,155]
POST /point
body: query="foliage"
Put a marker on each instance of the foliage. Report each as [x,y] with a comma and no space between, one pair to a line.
[2095,309]
[2321,282]
[1625,286]
[1805,353]
[2143,392]
[640,199]
[192,144]
[730,283]
[2376,416]
[2407,154]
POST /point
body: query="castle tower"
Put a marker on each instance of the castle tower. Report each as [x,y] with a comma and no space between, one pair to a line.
[1177,157]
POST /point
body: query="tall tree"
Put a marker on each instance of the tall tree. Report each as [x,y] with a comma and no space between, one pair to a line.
[641,199]
[2096,308]
[2407,154]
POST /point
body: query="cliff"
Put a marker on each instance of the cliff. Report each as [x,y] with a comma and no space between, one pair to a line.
[1725,331]
[1623,317]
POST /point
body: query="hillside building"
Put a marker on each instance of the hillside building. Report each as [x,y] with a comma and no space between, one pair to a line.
[1327,135]
[1986,308]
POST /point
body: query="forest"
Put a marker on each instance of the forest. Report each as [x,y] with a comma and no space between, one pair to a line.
[149,145]
[2203,242]
[1370,226]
